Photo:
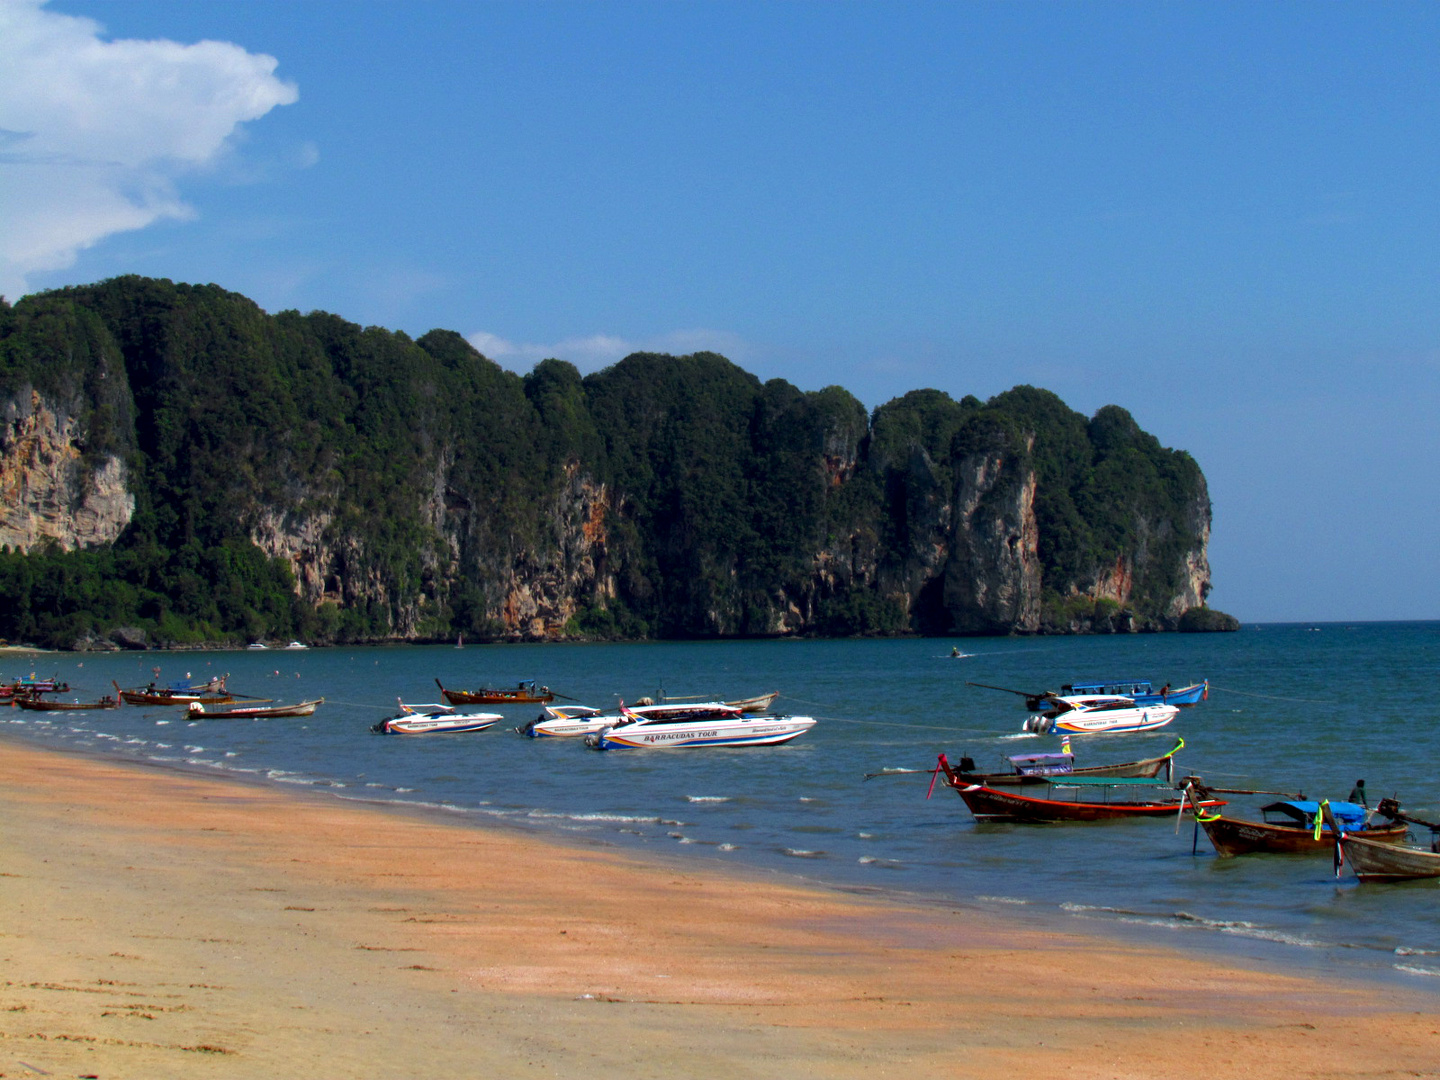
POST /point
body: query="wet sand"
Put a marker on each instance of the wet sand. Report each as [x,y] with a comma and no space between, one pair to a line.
[159,924]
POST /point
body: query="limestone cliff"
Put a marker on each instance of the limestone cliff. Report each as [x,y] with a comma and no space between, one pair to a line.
[52,491]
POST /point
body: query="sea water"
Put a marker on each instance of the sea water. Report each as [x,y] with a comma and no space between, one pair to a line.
[1298,708]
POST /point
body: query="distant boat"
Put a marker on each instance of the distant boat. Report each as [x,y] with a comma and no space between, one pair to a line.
[1031,769]
[257,645]
[459,641]
[297,645]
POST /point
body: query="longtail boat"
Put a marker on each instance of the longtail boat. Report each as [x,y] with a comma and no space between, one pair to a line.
[1140,691]
[39,705]
[1289,827]
[525,693]
[1039,768]
[1079,798]
[212,692]
[240,711]
[1374,860]
[758,704]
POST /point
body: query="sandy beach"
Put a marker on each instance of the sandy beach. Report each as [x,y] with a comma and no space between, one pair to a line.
[158,924]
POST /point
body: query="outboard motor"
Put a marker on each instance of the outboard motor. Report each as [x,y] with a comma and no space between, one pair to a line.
[1038,725]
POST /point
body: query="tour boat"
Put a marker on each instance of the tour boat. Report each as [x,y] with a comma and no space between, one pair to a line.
[636,732]
[575,720]
[1097,715]
[434,719]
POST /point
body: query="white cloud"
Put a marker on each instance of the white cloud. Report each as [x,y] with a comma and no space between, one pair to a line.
[600,350]
[94,133]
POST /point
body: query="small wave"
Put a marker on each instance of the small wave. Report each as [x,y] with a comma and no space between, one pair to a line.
[1021,735]
[624,819]
[1411,969]
[161,723]
[883,864]
[1406,951]
[1001,900]
[1183,920]
[865,835]
[802,853]
[726,847]
[707,798]
[807,798]
[164,746]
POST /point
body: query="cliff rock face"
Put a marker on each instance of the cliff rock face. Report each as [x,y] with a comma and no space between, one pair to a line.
[50,491]
[992,580]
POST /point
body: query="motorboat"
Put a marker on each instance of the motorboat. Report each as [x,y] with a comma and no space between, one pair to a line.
[434,719]
[1140,691]
[635,731]
[1098,715]
[575,720]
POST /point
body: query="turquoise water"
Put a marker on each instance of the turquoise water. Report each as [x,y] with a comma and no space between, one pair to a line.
[1292,707]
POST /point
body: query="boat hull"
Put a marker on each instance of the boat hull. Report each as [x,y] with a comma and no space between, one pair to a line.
[1374,861]
[749,731]
[1235,836]
[991,804]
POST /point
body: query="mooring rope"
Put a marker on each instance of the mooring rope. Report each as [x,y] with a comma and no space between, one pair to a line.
[1271,697]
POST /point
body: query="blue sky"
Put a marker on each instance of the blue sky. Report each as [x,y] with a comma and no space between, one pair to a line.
[1222,217]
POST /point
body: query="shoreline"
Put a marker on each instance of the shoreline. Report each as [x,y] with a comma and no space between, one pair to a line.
[157,921]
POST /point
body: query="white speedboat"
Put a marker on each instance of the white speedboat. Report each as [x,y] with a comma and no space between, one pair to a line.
[1098,715]
[573,720]
[648,732]
[435,719]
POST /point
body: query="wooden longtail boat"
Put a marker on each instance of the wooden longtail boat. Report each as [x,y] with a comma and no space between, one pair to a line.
[38,705]
[1140,691]
[759,704]
[212,692]
[1037,768]
[1083,798]
[525,693]
[240,711]
[1289,828]
[1374,860]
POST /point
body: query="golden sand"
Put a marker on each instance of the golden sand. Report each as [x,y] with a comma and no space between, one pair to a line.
[158,924]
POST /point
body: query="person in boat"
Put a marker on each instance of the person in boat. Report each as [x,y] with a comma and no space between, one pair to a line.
[1164,691]
[1357,794]
[955,651]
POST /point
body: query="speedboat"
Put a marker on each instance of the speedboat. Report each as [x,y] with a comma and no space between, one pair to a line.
[1098,714]
[645,732]
[434,719]
[573,720]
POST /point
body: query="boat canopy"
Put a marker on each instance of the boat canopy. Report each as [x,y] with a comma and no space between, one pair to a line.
[1042,764]
[1109,781]
[1302,812]
[1124,687]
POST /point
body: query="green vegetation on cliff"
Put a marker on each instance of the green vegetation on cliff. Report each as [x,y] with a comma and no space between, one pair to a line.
[301,476]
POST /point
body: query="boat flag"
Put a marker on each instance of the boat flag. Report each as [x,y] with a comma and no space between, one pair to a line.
[1065,743]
